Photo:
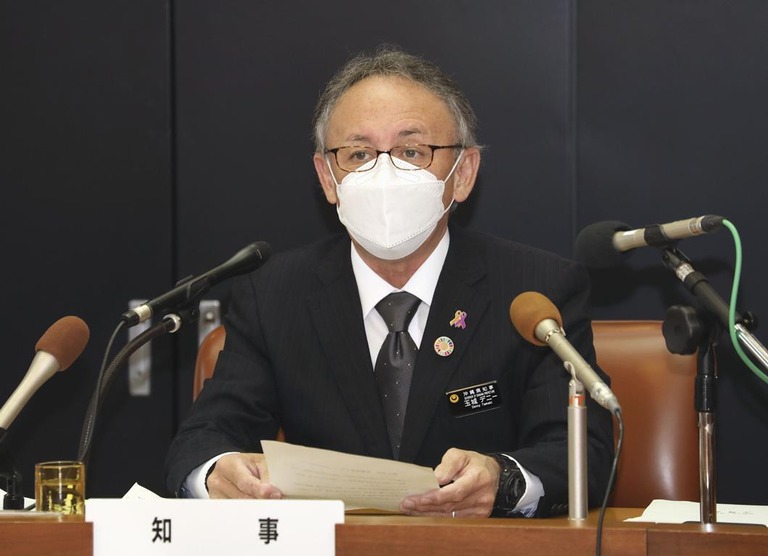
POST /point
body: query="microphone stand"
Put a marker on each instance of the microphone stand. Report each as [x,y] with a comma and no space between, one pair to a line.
[577,447]
[170,324]
[706,378]
[705,395]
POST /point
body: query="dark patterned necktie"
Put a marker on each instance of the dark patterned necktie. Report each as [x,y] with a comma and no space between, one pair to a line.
[394,365]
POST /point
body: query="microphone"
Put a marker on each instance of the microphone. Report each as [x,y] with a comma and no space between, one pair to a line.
[247,259]
[56,350]
[601,244]
[537,320]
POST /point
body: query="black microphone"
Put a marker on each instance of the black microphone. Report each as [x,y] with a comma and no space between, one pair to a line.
[56,349]
[537,320]
[247,259]
[600,245]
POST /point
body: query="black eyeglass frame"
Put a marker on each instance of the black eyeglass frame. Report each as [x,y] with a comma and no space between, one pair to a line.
[432,148]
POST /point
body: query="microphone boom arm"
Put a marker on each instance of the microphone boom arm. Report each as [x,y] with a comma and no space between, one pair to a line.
[697,284]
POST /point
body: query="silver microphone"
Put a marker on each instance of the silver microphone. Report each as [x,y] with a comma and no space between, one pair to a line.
[663,234]
[56,349]
[537,320]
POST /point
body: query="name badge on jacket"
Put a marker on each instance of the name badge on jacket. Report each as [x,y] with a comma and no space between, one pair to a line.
[474,399]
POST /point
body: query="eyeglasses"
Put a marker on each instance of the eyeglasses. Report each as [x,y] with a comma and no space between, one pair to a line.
[356,158]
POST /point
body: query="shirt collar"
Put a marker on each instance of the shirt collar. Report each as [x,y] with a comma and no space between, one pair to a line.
[373,288]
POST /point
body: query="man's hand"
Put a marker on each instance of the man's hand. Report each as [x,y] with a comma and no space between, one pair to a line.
[241,476]
[471,480]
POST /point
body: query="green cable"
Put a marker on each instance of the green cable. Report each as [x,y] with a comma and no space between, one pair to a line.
[732,310]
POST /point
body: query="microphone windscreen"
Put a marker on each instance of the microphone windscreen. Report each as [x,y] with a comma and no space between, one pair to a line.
[247,259]
[65,340]
[530,308]
[594,245]
[250,257]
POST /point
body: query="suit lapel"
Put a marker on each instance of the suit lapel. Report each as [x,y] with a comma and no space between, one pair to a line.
[457,290]
[338,321]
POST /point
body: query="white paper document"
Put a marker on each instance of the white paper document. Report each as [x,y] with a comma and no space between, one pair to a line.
[138,492]
[360,481]
[670,511]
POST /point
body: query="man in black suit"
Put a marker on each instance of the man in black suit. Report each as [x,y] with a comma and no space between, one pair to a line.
[396,152]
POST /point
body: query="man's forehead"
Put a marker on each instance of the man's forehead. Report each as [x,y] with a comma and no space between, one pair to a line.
[408,109]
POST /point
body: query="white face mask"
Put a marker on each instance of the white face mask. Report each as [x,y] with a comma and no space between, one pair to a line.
[388,211]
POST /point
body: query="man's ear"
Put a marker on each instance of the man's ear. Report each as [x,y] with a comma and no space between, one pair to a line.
[326,179]
[466,174]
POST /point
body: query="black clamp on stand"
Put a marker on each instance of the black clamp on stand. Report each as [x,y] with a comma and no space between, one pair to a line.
[13,499]
[686,331]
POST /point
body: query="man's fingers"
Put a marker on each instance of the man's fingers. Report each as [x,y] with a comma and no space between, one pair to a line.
[240,476]
[470,481]
[454,460]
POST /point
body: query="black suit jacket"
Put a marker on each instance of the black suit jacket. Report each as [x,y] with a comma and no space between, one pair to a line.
[296,357]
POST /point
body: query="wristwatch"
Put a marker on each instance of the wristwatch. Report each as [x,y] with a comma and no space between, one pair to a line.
[511,487]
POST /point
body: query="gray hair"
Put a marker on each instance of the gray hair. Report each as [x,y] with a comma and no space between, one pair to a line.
[390,61]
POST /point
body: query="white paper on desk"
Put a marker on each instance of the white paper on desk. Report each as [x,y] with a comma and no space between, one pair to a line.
[28,502]
[138,492]
[360,481]
[671,511]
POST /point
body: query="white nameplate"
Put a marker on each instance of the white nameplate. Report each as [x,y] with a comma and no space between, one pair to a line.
[188,527]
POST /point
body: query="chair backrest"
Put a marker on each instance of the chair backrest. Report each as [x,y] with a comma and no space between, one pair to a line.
[207,355]
[655,388]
